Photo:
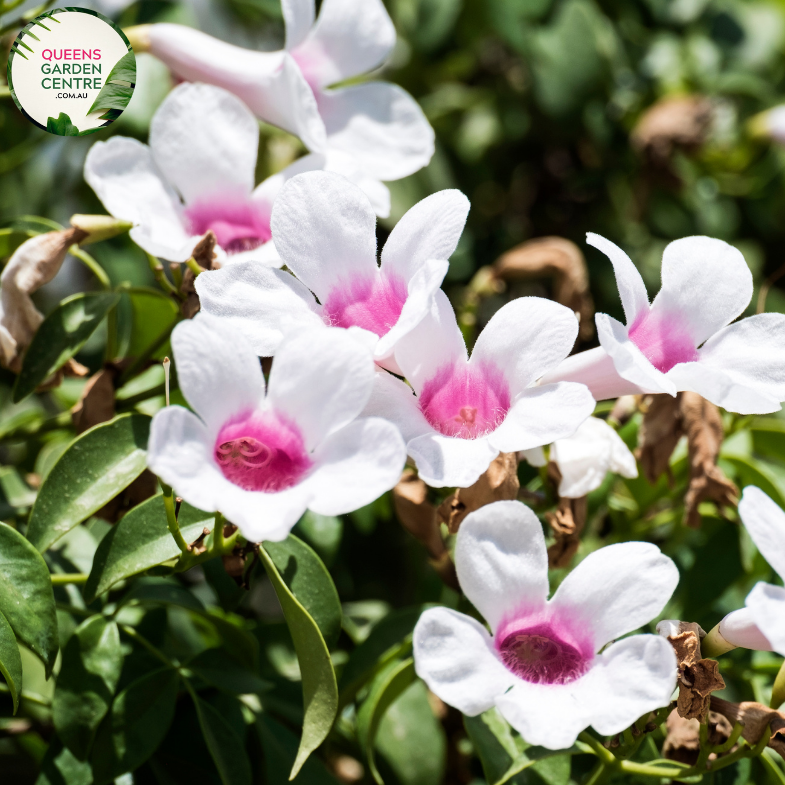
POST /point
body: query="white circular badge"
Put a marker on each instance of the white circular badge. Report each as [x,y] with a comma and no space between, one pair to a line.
[71,71]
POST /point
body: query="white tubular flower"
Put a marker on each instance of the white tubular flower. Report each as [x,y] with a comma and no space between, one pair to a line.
[739,629]
[464,412]
[378,123]
[684,340]
[263,459]
[588,455]
[196,175]
[325,231]
[540,664]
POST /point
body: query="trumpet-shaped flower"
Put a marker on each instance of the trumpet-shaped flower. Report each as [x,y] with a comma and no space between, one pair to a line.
[378,123]
[261,458]
[588,455]
[325,231]
[459,412]
[684,339]
[198,175]
[540,665]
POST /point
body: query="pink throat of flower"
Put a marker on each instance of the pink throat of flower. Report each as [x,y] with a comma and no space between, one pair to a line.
[238,223]
[543,654]
[664,341]
[261,452]
[373,303]
[467,401]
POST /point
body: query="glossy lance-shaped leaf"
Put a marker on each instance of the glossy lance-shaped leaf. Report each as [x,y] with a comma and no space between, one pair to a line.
[90,671]
[94,469]
[385,690]
[60,767]
[320,691]
[10,661]
[26,597]
[219,669]
[60,336]
[310,582]
[140,717]
[141,540]
[226,748]
[114,95]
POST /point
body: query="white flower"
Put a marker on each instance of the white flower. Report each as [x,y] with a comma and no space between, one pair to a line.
[540,664]
[465,411]
[262,459]
[588,455]
[196,175]
[685,340]
[325,231]
[378,123]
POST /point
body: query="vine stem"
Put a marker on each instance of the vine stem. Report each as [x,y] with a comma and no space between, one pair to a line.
[778,690]
[92,265]
[61,579]
[25,695]
[171,519]
[142,641]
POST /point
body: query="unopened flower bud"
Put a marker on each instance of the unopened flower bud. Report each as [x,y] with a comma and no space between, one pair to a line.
[99,227]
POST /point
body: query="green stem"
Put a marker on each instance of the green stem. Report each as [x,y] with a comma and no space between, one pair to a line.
[160,277]
[769,761]
[5,91]
[218,534]
[73,610]
[142,641]
[732,739]
[649,770]
[191,560]
[123,404]
[33,697]
[601,752]
[91,265]
[194,267]
[61,579]
[171,519]
[62,420]
[598,774]
[778,690]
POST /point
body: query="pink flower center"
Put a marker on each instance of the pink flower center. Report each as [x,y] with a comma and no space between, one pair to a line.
[261,452]
[238,223]
[466,401]
[373,303]
[663,340]
[540,655]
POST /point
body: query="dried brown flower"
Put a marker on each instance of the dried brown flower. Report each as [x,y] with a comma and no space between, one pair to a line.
[682,742]
[566,522]
[204,255]
[675,121]
[756,718]
[96,404]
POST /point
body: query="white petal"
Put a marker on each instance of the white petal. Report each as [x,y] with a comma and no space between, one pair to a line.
[298,16]
[628,360]
[767,605]
[706,282]
[260,303]
[630,678]
[265,516]
[501,560]
[765,522]
[356,465]
[322,379]
[429,230]
[204,140]
[179,451]
[395,401]
[218,372]
[632,290]
[618,589]
[267,191]
[325,230]
[739,628]
[421,289]
[435,341]
[454,656]
[443,461]
[381,125]
[542,415]
[265,255]
[125,178]
[350,37]
[348,166]
[270,83]
[534,457]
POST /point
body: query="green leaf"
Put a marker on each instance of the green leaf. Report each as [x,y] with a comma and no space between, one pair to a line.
[11,239]
[152,314]
[62,126]
[141,540]
[60,767]
[60,336]
[322,532]
[226,747]
[92,661]
[385,690]
[754,472]
[94,469]
[10,660]
[216,668]
[140,717]
[26,597]
[320,691]
[307,578]
[117,96]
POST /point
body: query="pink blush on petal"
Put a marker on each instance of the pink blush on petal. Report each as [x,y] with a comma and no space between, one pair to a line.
[465,401]
[239,224]
[261,452]
[373,303]
[664,341]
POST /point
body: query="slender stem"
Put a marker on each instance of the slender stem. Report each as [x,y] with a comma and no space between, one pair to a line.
[160,276]
[62,420]
[26,695]
[5,91]
[732,739]
[218,534]
[600,751]
[142,641]
[778,690]
[191,560]
[649,770]
[171,519]
[61,579]
[131,401]
[91,265]
[769,761]
[194,267]
[73,610]
[597,774]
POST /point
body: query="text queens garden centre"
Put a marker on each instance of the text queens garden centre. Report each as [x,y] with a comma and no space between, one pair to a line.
[75,75]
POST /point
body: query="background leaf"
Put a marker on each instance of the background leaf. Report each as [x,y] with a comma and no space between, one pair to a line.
[10,661]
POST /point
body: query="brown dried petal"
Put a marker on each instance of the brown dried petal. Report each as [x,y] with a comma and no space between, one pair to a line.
[658,435]
[755,717]
[680,121]
[696,683]
[96,404]
[567,523]
[416,514]
[498,483]
[204,254]
[557,258]
[682,742]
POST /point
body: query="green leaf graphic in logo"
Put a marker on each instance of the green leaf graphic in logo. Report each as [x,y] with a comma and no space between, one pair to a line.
[119,87]
[62,125]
